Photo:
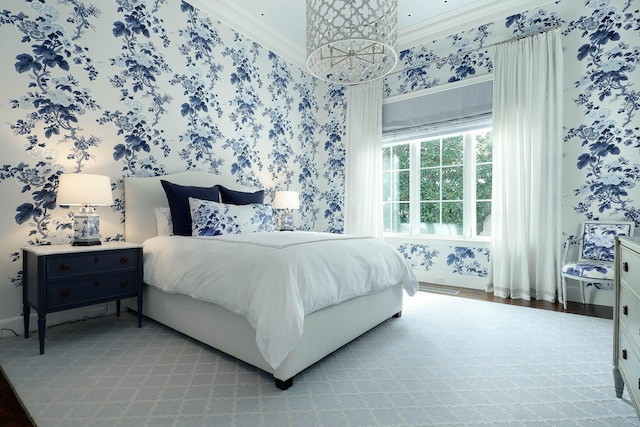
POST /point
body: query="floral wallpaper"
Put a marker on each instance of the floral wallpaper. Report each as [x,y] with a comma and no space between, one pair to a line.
[148,87]
[601,146]
[141,87]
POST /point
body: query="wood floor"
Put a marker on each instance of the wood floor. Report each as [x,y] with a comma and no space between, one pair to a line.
[603,312]
[13,415]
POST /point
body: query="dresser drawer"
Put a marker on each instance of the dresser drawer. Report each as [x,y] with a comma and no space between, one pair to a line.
[68,265]
[629,364]
[629,265]
[91,290]
[629,312]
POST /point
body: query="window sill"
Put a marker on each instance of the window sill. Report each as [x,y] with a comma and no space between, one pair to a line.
[440,240]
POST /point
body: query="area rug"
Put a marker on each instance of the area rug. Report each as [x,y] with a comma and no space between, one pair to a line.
[447,361]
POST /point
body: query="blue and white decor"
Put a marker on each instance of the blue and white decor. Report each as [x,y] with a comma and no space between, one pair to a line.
[213,218]
[601,159]
[140,87]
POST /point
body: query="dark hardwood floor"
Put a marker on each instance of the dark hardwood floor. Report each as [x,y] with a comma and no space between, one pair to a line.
[11,412]
[601,311]
[13,415]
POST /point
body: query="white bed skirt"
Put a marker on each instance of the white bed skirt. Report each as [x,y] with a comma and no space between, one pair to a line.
[325,330]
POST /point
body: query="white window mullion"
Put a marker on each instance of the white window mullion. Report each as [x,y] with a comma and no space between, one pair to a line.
[415,188]
[469,193]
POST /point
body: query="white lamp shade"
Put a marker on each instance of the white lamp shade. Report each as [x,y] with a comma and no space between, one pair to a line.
[84,190]
[286,200]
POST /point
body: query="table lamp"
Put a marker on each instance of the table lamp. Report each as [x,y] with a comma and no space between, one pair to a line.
[286,200]
[86,190]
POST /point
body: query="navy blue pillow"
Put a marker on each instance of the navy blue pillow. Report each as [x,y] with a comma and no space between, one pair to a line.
[178,198]
[233,197]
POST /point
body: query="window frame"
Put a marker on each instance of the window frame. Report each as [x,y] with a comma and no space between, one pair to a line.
[469,199]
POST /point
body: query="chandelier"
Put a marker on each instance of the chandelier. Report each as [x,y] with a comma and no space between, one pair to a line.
[351,41]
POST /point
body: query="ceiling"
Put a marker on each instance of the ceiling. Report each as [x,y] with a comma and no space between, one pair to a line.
[279,25]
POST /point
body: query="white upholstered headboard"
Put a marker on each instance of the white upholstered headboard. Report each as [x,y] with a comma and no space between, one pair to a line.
[143,194]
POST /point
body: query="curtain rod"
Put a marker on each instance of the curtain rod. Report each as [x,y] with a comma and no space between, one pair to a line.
[475,50]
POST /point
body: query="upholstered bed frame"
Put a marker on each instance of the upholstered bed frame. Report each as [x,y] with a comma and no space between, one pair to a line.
[325,330]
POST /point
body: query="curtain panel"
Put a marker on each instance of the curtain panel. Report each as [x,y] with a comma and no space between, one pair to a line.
[527,130]
[363,160]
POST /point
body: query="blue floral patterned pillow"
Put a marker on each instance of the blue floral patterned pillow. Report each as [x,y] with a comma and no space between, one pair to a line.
[212,218]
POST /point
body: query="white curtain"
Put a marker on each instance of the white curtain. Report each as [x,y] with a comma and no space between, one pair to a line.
[363,163]
[527,132]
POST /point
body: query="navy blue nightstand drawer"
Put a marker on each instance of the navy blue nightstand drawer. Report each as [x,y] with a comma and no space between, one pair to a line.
[93,289]
[67,265]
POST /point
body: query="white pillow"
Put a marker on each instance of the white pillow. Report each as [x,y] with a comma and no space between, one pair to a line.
[210,218]
[164,224]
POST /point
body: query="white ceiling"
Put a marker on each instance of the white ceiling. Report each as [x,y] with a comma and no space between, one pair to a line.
[279,25]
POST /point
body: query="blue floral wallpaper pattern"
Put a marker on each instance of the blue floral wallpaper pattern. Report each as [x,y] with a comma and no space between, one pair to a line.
[141,87]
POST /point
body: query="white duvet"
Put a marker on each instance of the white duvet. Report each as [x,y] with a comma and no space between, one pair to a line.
[274,279]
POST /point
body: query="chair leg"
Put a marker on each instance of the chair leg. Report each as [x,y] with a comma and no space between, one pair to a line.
[564,292]
[582,286]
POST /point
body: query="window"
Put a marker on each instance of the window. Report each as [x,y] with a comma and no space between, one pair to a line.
[439,185]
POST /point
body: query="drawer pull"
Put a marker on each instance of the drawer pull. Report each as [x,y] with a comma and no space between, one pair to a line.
[624,354]
[65,293]
[64,266]
[124,260]
[124,284]
[625,267]
[625,310]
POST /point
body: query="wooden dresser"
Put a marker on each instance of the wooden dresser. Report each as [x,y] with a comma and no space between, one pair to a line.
[626,317]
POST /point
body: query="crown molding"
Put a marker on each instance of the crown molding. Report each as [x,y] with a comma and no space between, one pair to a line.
[248,25]
[462,19]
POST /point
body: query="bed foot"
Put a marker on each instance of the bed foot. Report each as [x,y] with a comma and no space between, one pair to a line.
[283,385]
[398,314]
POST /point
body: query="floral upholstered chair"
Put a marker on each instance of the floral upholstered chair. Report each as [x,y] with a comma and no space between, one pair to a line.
[595,254]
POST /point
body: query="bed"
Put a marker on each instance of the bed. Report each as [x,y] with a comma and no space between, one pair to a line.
[324,330]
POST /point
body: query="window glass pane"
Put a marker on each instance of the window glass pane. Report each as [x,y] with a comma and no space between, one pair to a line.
[483,218]
[429,217]
[430,153]
[396,218]
[452,183]
[402,223]
[401,157]
[386,217]
[430,184]
[401,186]
[386,158]
[452,150]
[452,218]
[484,147]
[386,186]
[483,181]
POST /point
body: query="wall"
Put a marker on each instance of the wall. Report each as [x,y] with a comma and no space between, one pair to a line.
[601,157]
[135,87]
[142,88]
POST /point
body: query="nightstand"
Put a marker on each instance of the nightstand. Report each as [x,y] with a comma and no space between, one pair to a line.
[60,277]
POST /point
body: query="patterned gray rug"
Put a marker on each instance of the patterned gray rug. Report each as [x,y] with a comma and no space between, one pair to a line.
[447,361]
